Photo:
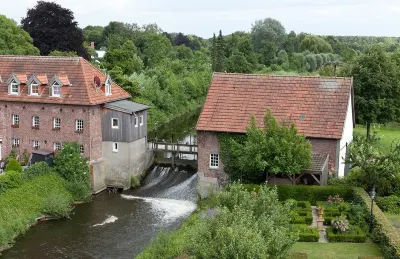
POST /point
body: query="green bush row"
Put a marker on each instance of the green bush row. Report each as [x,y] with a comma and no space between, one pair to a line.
[20,206]
[389,204]
[354,235]
[306,234]
[303,220]
[383,233]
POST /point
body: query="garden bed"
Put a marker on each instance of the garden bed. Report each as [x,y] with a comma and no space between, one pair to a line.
[354,235]
[306,233]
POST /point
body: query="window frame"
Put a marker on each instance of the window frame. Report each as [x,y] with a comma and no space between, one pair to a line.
[53,94]
[15,142]
[214,161]
[136,122]
[108,89]
[112,123]
[81,149]
[15,120]
[31,90]
[13,83]
[78,125]
[36,142]
[115,147]
[141,120]
[55,127]
[35,124]
[56,145]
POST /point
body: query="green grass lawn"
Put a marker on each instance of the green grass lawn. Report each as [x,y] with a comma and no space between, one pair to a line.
[336,250]
[395,219]
[388,133]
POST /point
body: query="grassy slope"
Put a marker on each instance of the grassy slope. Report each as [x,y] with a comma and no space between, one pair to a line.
[387,133]
[395,219]
[336,250]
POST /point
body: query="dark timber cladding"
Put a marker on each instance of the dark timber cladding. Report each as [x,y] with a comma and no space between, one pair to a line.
[129,126]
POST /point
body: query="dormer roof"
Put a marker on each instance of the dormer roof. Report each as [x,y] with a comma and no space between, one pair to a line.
[14,78]
[74,72]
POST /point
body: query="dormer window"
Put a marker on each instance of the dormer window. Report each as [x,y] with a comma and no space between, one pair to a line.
[14,88]
[56,90]
[13,85]
[34,89]
[108,86]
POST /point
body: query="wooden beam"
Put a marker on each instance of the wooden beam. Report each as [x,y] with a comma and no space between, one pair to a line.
[316,179]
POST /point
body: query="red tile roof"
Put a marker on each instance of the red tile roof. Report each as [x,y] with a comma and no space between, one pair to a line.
[75,71]
[316,105]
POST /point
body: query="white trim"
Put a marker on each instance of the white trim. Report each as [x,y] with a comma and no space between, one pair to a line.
[15,119]
[57,146]
[14,83]
[78,125]
[36,144]
[115,147]
[141,120]
[54,123]
[81,149]
[214,161]
[34,121]
[30,89]
[52,90]
[136,121]
[112,123]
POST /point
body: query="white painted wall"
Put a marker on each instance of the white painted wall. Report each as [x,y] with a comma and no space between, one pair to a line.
[347,136]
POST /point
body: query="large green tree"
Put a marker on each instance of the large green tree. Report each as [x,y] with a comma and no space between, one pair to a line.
[376,86]
[275,149]
[14,40]
[53,27]
[218,53]
[315,44]
[124,57]
[95,34]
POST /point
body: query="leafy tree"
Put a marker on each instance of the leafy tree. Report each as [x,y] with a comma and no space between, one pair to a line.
[276,149]
[218,53]
[52,27]
[13,165]
[156,48]
[237,63]
[282,57]
[315,44]
[376,87]
[268,36]
[14,40]
[63,53]
[312,62]
[125,57]
[95,34]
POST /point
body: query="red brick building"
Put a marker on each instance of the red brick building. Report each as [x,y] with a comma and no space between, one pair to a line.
[46,101]
[321,108]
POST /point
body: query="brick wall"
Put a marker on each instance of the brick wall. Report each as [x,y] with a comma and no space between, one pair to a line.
[208,143]
[90,137]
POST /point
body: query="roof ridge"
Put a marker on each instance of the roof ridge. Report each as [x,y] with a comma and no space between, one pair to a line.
[272,75]
[39,57]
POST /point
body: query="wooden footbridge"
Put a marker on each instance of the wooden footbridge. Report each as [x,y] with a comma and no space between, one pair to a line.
[180,153]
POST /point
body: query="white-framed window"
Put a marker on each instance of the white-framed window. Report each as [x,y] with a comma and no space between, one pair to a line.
[57,146]
[214,161]
[56,123]
[34,89]
[79,125]
[14,87]
[114,123]
[56,90]
[141,120]
[15,120]
[82,149]
[15,142]
[115,147]
[36,144]
[35,121]
[108,89]
[136,122]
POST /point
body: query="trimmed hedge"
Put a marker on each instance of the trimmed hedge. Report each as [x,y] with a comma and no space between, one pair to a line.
[354,235]
[304,220]
[298,256]
[384,233]
[306,234]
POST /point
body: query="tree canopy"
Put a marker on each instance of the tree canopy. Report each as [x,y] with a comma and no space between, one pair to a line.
[53,27]
[14,40]
[315,44]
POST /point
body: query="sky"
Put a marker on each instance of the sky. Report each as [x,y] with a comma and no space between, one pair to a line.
[204,17]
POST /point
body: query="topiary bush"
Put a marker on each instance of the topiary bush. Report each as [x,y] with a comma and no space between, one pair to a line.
[10,180]
[306,234]
[389,204]
[354,235]
[13,165]
[41,168]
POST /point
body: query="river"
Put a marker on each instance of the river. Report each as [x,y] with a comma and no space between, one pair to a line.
[119,225]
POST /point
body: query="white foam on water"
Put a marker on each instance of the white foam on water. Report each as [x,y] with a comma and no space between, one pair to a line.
[162,176]
[110,219]
[166,209]
[179,190]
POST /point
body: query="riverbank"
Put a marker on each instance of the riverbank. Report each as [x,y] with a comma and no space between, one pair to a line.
[22,206]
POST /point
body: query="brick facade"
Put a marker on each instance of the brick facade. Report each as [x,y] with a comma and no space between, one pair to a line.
[208,144]
[91,136]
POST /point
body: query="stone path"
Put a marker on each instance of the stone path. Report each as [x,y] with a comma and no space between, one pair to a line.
[322,234]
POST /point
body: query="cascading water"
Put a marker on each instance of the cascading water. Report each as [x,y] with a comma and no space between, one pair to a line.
[115,225]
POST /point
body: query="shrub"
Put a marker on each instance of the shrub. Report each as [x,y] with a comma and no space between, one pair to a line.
[13,165]
[57,204]
[353,235]
[298,256]
[304,205]
[389,204]
[135,182]
[340,224]
[41,168]
[383,233]
[306,234]
[10,180]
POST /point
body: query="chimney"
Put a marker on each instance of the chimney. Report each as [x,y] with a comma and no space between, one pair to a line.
[92,45]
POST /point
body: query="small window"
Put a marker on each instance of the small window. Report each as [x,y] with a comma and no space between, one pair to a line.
[214,161]
[14,87]
[108,89]
[115,147]
[15,142]
[136,122]
[34,89]
[114,123]
[141,120]
[79,125]
[36,144]
[56,90]
[56,123]
[82,149]
[57,146]
[15,120]
[35,121]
